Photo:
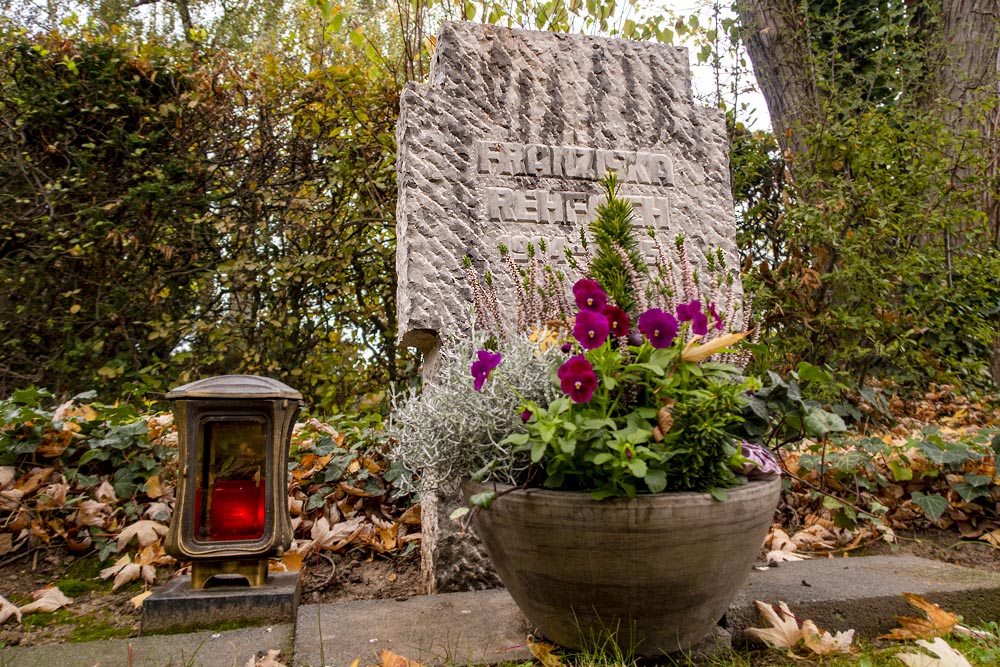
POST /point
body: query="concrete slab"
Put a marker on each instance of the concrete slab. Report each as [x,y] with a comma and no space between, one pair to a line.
[454,628]
[864,593]
[176,607]
[232,648]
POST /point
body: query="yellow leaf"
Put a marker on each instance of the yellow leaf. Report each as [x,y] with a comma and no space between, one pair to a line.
[545,653]
[139,599]
[937,624]
[694,352]
[153,488]
[74,309]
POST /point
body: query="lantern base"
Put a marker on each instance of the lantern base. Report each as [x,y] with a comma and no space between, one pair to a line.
[253,570]
[177,607]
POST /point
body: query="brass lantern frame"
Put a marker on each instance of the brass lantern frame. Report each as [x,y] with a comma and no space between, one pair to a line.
[222,399]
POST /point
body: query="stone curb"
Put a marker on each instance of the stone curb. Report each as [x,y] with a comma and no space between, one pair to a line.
[485,627]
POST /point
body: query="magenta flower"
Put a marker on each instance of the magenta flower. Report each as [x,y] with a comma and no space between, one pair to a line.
[691,312]
[525,416]
[577,379]
[482,368]
[589,295]
[591,329]
[617,321]
[658,327]
[715,315]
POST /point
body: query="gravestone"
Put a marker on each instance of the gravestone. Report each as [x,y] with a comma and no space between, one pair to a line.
[505,144]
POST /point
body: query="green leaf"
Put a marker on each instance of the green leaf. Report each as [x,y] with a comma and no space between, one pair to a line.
[932,504]
[718,494]
[537,452]
[901,472]
[484,499]
[459,513]
[656,480]
[637,467]
[820,422]
[315,501]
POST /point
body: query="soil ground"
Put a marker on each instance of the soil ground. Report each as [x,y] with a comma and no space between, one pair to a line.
[97,612]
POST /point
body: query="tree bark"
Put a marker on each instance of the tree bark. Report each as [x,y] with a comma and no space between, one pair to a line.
[780,54]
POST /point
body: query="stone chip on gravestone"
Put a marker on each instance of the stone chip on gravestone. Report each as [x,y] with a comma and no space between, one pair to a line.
[506,143]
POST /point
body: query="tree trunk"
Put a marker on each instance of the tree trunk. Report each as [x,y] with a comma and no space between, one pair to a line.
[780,54]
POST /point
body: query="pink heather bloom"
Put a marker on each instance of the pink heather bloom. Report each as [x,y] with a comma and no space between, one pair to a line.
[589,295]
[482,367]
[591,329]
[577,379]
[617,321]
[658,327]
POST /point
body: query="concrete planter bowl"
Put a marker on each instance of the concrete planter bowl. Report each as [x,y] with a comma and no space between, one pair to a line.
[655,572]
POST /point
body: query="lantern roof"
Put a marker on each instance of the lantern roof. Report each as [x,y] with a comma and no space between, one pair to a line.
[234,386]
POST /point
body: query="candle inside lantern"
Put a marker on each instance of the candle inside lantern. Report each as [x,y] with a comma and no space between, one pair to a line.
[231,479]
[237,510]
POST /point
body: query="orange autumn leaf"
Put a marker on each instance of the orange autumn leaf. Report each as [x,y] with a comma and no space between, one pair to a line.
[937,624]
[390,659]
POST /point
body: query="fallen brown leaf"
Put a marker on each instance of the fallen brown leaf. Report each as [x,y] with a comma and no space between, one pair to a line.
[8,610]
[784,631]
[946,655]
[146,531]
[937,624]
[269,659]
[822,642]
[545,653]
[46,599]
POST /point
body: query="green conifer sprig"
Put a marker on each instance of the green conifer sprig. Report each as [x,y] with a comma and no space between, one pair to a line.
[611,230]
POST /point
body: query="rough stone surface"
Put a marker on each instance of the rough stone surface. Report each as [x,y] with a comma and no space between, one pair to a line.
[454,628]
[506,144]
[176,606]
[865,594]
[204,649]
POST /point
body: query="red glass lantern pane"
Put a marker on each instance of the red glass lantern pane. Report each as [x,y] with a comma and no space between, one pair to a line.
[237,510]
[230,495]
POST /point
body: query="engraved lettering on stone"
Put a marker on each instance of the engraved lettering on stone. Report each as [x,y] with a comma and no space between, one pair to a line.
[499,158]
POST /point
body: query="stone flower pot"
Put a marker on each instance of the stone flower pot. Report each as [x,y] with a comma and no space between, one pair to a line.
[656,572]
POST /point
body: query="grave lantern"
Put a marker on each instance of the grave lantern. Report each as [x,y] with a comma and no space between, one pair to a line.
[232,509]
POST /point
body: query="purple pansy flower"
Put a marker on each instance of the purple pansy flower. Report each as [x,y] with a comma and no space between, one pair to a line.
[589,295]
[482,367]
[691,312]
[715,315]
[591,329]
[659,327]
[525,416]
[577,379]
[617,320]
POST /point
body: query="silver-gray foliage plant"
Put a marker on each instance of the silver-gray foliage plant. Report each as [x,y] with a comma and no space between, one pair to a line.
[450,431]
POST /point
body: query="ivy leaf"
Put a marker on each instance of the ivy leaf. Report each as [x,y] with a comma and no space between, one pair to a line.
[820,422]
[484,499]
[932,504]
